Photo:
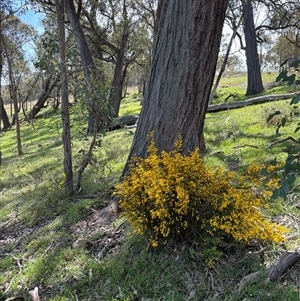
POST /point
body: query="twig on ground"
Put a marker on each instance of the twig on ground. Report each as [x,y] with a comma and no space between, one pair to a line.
[15,258]
[16,298]
[283,140]
[245,145]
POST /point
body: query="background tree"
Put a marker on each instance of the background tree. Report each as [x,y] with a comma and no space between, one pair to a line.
[254,85]
[3,114]
[183,65]
[66,134]
[119,35]
[13,93]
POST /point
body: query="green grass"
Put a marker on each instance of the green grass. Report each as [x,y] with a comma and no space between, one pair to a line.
[40,224]
[236,86]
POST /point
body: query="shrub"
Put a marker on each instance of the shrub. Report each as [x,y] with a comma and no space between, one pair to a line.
[169,196]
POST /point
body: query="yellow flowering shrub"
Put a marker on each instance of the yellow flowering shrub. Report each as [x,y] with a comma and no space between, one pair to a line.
[169,196]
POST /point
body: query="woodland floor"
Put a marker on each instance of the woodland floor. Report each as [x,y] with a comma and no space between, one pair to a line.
[92,247]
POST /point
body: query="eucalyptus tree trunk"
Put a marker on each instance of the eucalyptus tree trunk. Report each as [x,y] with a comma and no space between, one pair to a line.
[85,55]
[185,52]
[117,84]
[3,113]
[66,134]
[255,85]
[223,66]
[13,93]
[48,86]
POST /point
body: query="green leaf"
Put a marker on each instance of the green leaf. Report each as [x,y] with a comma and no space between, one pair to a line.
[282,76]
[296,99]
[297,129]
[284,63]
[272,115]
[295,63]
[275,194]
[283,121]
[291,79]
[291,178]
[277,130]
[283,194]
[263,172]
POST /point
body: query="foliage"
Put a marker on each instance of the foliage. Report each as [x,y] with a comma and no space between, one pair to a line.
[168,197]
[292,165]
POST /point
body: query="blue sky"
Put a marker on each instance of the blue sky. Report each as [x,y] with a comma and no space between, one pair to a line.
[33,19]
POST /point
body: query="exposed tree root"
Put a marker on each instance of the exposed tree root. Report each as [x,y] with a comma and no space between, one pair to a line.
[274,272]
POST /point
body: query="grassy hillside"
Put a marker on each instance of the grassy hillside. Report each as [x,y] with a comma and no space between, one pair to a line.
[63,245]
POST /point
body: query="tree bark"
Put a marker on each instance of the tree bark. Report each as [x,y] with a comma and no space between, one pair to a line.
[66,135]
[85,55]
[186,47]
[233,35]
[118,78]
[255,85]
[13,93]
[47,89]
[3,113]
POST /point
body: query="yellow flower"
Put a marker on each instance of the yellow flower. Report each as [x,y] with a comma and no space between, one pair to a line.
[169,195]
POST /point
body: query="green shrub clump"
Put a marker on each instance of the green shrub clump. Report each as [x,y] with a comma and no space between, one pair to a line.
[169,196]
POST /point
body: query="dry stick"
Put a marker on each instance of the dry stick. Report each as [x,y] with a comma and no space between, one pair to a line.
[15,258]
[16,298]
[283,140]
[20,270]
[244,145]
[88,157]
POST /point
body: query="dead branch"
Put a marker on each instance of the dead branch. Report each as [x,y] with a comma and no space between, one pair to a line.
[274,272]
[245,145]
[286,261]
[248,102]
[16,298]
[283,140]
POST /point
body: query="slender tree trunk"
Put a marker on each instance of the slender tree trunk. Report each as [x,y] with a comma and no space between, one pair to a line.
[233,35]
[13,93]
[85,55]
[255,85]
[66,135]
[47,89]
[118,78]
[3,113]
[185,53]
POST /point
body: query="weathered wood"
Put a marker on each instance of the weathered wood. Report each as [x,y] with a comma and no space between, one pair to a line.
[131,120]
[34,294]
[248,102]
[286,261]
[127,120]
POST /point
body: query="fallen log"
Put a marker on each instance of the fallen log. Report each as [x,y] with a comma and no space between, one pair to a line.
[131,120]
[248,102]
[127,120]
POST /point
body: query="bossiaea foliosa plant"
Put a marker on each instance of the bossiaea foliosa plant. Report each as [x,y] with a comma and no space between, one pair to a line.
[169,196]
